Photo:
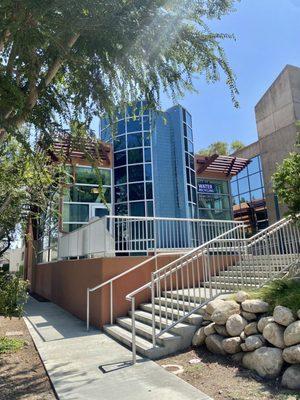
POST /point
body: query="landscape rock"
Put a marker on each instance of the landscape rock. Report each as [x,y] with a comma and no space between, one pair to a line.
[238,357]
[199,337]
[214,344]
[232,345]
[235,324]
[251,329]
[292,354]
[255,306]
[298,313]
[274,332]
[249,316]
[291,378]
[213,305]
[266,361]
[210,329]
[202,310]
[243,336]
[292,334]
[252,343]
[206,317]
[224,310]
[241,296]
[263,322]
[205,323]
[221,330]
[283,315]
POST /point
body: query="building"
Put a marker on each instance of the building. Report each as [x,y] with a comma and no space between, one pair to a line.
[276,115]
[154,166]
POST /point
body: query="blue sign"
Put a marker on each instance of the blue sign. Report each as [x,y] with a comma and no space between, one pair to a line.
[206,188]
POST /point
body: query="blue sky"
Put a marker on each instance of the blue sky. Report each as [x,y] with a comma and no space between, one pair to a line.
[267,38]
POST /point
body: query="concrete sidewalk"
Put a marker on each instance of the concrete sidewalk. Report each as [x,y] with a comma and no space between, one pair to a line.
[91,365]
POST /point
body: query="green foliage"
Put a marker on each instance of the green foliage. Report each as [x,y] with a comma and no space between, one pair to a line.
[77,59]
[283,292]
[13,295]
[221,148]
[10,345]
[286,182]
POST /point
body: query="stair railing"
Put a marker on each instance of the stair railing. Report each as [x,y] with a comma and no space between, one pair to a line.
[198,276]
[192,273]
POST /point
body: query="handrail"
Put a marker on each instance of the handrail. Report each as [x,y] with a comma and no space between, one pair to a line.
[282,238]
[111,280]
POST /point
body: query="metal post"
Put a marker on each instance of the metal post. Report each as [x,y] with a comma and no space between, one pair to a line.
[111,303]
[133,330]
[87,309]
[153,309]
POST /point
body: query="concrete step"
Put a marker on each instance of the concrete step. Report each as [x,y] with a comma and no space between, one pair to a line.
[143,346]
[201,295]
[167,339]
[232,286]
[193,319]
[251,267]
[186,331]
[238,278]
[247,273]
[181,304]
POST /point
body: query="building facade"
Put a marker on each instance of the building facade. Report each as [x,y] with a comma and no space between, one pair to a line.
[277,113]
[153,162]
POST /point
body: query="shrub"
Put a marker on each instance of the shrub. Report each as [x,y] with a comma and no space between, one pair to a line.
[283,292]
[13,295]
[9,345]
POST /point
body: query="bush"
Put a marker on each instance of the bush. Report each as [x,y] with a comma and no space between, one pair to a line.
[9,345]
[13,295]
[280,292]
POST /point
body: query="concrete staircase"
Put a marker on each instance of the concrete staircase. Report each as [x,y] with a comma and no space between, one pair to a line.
[252,272]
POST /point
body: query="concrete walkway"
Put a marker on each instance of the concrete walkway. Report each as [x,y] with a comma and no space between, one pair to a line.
[91,365]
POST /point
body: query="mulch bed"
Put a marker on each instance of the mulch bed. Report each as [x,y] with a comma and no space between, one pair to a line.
[22,374]
[223,379]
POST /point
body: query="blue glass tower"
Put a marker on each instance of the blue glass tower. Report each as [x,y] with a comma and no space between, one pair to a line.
[154,173]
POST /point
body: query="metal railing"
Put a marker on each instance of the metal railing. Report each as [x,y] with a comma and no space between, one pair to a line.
[201,274]
[117,235]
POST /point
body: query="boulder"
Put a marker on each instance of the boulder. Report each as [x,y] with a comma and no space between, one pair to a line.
[214,344]
[251,329]
[263,322]
[241,296]
[213,305]
[205,323]
[202,310]
[210,329]
[243,336]
[292,334]
[224,310]
[235,324]
[232,345]
[199,337]
[238,357]
[255,306]
[206,317]
[249,316]
[273,332]
[298,313]
[266,361]
[291,377]
[292,354]
[221,330]
[252,343]
[283,315]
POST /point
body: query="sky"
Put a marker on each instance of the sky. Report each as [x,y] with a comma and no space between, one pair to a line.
[267,36]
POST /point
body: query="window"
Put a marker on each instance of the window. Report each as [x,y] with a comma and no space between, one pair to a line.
[75,213]
[147,153]
[120,143]
[120,175]
[120,158]
[121,209]
[254,181]
[135,156]
[136,173]
[149,191]
[120,193]
[134,140]
[136,191]
[137,209]
[148,172]
[121,127]
[134,125]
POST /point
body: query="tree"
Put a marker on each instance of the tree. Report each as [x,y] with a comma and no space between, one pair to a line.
[221,148]
[236,145]
[28,181]
[70,59]
[286,182]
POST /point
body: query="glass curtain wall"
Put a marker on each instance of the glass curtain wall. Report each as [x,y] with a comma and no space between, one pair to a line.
[214,199]
[190,163]
[249,204]
[85,198]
